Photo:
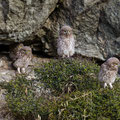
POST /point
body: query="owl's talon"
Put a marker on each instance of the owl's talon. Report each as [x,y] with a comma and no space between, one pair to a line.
[110,84]
[105,85]
[23,70]
[18,69]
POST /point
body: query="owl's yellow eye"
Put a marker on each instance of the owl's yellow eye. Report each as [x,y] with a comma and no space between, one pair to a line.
[115,64]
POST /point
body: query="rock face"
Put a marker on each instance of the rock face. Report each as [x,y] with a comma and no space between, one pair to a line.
[19,19]
[95,22]
[109,29]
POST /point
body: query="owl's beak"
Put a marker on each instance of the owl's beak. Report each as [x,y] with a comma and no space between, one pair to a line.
[67,33]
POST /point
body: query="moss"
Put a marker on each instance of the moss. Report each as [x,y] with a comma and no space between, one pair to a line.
[76,93]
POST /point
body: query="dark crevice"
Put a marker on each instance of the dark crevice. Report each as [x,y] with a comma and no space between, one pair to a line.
[4,48]
[41,54]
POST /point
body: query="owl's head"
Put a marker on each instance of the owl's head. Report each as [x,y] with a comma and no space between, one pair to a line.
[28,50]
[66,31]
[20,45]
[22,51]
[113,63]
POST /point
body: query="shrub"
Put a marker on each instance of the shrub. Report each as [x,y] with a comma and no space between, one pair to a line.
[22,100]
[75,93]
[102,104]
[57,74]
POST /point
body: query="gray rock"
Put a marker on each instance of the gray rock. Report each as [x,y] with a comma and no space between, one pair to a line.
[84,19]
[19,19]
[109,29]
[112,14]
[6,75]
[95,23]
[89,2]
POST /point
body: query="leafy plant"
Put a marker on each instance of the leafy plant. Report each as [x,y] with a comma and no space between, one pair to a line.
[76,93]
[57,74]
[22,100]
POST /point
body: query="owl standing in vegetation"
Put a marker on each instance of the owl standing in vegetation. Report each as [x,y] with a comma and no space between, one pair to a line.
[65,42]
[108,71]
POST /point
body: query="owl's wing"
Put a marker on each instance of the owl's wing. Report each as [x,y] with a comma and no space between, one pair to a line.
[72,42]
[102,72]
[104,67]
[58,42]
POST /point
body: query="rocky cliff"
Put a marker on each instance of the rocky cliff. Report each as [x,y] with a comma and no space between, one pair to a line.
[95,23]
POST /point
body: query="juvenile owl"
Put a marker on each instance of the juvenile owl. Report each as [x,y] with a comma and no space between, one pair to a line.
[23,60]
[25,50]
[108,71]
[15,51]
[65,42]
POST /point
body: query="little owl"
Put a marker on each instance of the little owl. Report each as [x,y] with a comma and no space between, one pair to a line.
[65,42]
[15,51]
[108,71]
[24,59]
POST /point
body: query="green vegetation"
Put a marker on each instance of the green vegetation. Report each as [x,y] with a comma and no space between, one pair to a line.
[76,94]
[57,74]
[22,101]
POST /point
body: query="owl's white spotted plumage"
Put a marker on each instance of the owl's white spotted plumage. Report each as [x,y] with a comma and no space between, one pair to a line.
[25,51]
[15,51]
[21,56]
[108,71]
[66,42]
[22,63]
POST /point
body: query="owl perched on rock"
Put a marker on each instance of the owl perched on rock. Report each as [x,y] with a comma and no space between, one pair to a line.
[25,50]
[24,59]
[14,51]
[65,42]
[21,56]
[108,71]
